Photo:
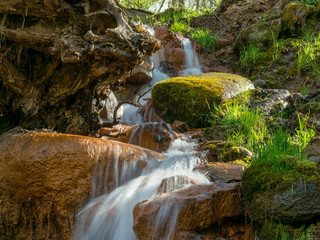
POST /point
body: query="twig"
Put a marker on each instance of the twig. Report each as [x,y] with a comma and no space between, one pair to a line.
[314,129]
[143,94]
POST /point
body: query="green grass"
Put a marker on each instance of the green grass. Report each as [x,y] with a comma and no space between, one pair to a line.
[204,38]
[250,56]
[308,53]
[282,234]
[250,124]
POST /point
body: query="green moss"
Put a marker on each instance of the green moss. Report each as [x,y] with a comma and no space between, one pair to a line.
[282,70]
[295,17]
[265,178]
[190,98]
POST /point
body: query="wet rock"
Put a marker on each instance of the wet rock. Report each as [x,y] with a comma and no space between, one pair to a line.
[174,183]
[46,177]
[314,149]
[115,131]
[142,74]
[184,235]
[176,57]
[179,126]
[190,209]
[154,136]
[223,172]
[186,98]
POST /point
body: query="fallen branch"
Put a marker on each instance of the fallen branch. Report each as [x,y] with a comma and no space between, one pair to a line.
[314,129]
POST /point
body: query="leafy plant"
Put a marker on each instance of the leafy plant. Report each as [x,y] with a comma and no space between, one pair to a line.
[250,56]
[180,26]
[204,37]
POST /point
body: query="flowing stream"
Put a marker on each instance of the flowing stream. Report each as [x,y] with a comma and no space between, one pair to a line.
[110,216]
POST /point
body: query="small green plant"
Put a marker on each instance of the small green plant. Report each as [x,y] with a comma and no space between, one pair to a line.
[303,134]
[180,26]
[265,17]
[250,56]
[204,37]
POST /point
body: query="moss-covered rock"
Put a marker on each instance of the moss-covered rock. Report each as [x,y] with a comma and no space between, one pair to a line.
[288,196]
[258,33]
[190,99]
[297,17]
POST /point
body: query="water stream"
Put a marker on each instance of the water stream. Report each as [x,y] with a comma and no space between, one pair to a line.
[110,216]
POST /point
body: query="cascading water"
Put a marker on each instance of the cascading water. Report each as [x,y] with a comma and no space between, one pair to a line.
[130,113]
[192,64]
[110,216]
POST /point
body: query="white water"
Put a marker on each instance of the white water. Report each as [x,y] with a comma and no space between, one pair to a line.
[192,64]
[109,217]
[130,114]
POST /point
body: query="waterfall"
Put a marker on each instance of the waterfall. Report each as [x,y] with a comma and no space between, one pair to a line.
[110,215]
[130,115]
[192,63]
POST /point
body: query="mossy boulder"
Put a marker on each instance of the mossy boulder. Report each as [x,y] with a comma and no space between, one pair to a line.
[297,17]
[190,99]
[290,196]
[258,33]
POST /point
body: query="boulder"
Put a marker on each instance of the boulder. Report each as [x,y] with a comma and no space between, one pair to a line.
[179,126]
[297,17]
[290,194]
[189,99]
[191,209]
[223,172]
[260,33]
[46,177]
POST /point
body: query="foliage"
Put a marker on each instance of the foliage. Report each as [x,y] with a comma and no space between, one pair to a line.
[282,234]
[180,26]
[251,128]
[204,38]
[311,2]
[303,134]
[250,56]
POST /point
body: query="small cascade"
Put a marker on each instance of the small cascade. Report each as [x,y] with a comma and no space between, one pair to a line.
[110,216]
[131,115]
[192,63]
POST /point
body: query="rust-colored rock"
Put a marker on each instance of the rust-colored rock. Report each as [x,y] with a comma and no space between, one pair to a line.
[154,136]
[194,208]
[223,172]
[46,177]
[314,149]
[176,57]
[179,126]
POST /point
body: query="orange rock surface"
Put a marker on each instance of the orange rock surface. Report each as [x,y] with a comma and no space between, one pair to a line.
[46,177]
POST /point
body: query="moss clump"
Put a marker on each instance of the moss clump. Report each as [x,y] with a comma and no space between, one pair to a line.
[266,178]
[188,99]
